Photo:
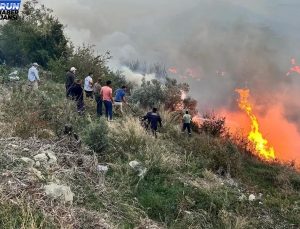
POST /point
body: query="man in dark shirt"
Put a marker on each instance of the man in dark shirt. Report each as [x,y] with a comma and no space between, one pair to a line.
[77,93]
[153,120]
[70,78]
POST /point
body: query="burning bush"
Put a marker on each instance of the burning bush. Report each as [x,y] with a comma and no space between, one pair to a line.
[212,125]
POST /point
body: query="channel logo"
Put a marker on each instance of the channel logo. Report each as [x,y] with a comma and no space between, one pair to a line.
[9,9]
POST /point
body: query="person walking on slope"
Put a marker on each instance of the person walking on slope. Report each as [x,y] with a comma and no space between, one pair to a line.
[153,119]
[187,118]
[97,89]
[120,97]
[88,86]
[33,77]
[106,94]
[70,79]
[77,92]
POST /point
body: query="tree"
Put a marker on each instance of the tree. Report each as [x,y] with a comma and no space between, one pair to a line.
[190,104]
[150,94]
[174,94]
[36,37]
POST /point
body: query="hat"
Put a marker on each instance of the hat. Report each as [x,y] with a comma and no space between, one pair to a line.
[73,69]
[35,64]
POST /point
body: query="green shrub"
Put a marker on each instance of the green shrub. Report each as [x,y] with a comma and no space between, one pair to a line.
[22,215]
[45,110]
[96,136]
[159,195]
[225,158]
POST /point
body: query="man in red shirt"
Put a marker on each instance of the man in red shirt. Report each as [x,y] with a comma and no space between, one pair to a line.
[106,94]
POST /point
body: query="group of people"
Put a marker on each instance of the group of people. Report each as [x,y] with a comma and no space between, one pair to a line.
[103,95]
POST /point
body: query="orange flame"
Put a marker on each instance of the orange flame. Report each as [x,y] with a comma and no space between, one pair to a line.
[255,136]
[196,120]
[295,68]
[173,70]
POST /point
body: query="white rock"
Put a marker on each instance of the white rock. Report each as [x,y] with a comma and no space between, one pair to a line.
[59,191]
[28,161]
[46,158]
[14,73]
[37,173]
[38,164]
[13,146]
[25,150]
[102,168]
[137,166]
[134,164]
[14,78]
[252,197]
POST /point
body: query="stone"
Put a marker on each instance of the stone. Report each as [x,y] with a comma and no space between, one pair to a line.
[38,164]
[28,161]
[252,197]
[37,173]
[137,166]
[47,158]
[102,168]
[59,192]
[13,146]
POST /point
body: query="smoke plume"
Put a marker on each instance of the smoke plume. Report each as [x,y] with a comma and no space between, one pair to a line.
[215,46]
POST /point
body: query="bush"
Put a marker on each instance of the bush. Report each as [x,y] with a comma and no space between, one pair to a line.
[22,215]
[36,37]
[225,158]
[43,111]
[96,136]
[214,126]
[160,195]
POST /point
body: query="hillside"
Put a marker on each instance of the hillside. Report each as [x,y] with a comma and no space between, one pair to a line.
[178,182]
[59,169]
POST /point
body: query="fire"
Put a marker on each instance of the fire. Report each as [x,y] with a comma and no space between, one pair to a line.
[180,105]
[198,120]
[255,136]
[173,70]
[295,68]
[183,95]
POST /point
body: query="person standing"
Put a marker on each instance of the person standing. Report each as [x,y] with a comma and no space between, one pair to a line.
[187,118]
[70,79]
[106,94]
[120,97]
[88,86]
[97,89]
[153,119]
[33,77]
[77,92]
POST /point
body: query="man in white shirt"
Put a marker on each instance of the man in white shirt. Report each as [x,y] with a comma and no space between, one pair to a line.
[33,77]
[187,118]
[88,86]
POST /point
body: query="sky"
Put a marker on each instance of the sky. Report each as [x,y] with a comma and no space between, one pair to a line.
[214,45]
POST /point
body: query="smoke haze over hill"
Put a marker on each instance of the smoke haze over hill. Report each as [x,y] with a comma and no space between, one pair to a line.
[216,46]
